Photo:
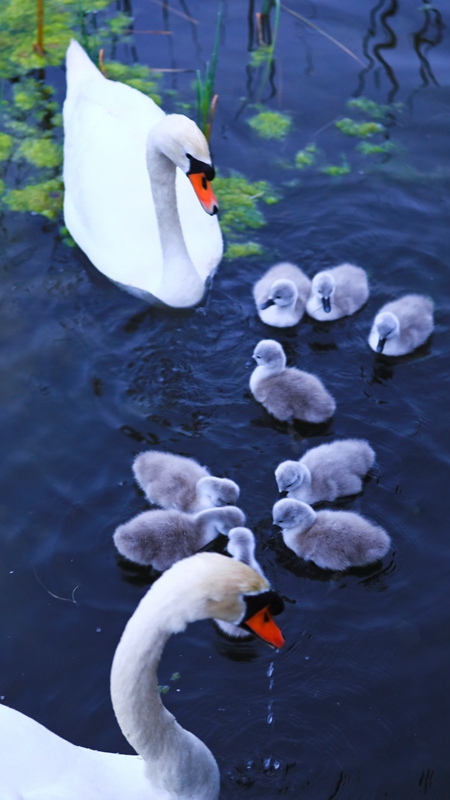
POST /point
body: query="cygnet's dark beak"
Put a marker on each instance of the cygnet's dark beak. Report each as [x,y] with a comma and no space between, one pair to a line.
[326,303]
[267,304]
[380,345]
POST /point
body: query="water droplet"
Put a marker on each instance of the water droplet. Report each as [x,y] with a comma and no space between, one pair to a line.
[266,763]
[306,658]
[269,719]
[270,670]
[99,630]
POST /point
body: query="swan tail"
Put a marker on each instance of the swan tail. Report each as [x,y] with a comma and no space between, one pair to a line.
[79,67]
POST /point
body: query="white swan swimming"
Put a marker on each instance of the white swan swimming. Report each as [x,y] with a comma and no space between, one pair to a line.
[327,471]
[337,292]
[332,539]
[241,546]
[159,538]
[281,294]
[288,393]
[401,326]
[172,764]
[129,203]
[173,481]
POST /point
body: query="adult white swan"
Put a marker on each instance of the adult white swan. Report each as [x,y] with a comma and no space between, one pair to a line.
[129,203]
[172,763]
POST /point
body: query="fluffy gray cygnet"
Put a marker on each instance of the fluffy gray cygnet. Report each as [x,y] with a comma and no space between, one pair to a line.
[172,481]
[326,472]
[241,546]
[337,292]
[401,326]
[160,538]
[281,295]
[288,393]
[332,539]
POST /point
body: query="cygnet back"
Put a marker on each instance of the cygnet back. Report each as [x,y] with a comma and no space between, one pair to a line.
[331,539]
[402,325]
[160,538]
[337,292]
[326,472]
[288,393]
[281,294]
[177,482]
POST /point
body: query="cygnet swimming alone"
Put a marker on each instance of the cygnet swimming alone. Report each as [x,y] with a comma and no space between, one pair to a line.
[326,472]
[241,546]
[281,295]
[172,481]
[288,393]
[337,292]
[401,326]
[160,538]
[332,539]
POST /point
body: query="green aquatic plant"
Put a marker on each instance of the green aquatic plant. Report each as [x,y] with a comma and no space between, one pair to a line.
[370,107]
[369,148]
[238,201]
[44,198]
[6,146]
[337,170]
[206,99]
[271,124]
[138,76]
[363,129]
[40,152]
[306,157]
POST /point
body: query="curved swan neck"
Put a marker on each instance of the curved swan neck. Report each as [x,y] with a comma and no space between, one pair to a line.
[176,762]
[179,271]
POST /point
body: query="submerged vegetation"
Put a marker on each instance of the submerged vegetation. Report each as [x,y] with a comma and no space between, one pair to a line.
[238,199]
[271,124]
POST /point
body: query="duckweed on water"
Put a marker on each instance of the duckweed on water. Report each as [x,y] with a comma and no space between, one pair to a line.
[239,211]
[306,157]
[44,198]
[6,146]
[338,169]
[363,129]
[271,124]
[369,148]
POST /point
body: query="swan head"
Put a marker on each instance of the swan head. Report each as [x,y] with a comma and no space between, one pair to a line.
[183,143]
[290,475]
[323,286]
[289,514]
[387,326]
[283,293]
[269,354]
[218,491]
[218,587]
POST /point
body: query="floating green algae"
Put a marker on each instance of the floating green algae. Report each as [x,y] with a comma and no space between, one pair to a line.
[6,146]
[369,148]
[238,201]
[44,198]
[370,107]
[40,152]
[271,124]
[337,170]
[306,157]
[364,129]
[138,76]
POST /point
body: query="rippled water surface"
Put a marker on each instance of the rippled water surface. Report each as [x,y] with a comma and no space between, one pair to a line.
[356,705]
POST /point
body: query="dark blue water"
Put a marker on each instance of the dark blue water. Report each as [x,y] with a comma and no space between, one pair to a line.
[356,705]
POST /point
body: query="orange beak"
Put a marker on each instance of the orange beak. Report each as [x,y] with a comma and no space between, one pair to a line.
[204,192]
[263,625]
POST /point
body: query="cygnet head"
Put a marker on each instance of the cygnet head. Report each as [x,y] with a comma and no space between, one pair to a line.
[283,293]
[290,475]
[269,354]
[323,285]
[289,513]
[241,545]
[218,491]
[224,518]
[387,326]
[181,140]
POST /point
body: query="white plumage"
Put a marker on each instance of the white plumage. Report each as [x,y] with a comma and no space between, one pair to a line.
[160,538]
[401,326]
[288,393]
[326,472]
[172,764]
[337,292]
[128,202]
[177,482]
[332,539]
[281,295]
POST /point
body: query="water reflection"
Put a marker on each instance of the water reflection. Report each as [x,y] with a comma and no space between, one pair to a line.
[381,38]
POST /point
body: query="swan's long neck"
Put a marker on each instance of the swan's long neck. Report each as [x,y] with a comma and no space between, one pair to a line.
[179,766]
[180,281]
